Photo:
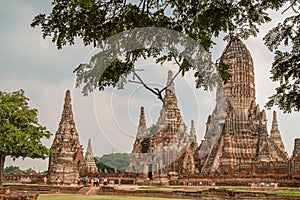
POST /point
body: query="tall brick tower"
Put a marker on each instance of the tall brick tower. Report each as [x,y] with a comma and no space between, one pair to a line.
[236,132]
[66,160]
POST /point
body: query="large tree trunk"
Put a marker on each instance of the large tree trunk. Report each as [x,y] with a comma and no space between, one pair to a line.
[2,160]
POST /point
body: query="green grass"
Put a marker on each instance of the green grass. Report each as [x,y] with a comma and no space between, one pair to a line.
[291,192]
[92,197]
[286,192]
[68,193]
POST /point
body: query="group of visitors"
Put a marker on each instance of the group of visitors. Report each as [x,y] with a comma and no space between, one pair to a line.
[87,181]
[96,181]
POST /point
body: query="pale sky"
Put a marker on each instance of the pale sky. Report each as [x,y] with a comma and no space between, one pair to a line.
[109,118]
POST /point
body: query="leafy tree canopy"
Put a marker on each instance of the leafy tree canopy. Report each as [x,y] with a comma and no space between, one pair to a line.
[95,21]
[286,65]
[11,170]
[20,131]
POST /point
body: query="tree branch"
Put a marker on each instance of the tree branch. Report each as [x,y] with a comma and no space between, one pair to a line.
[172,80]
[291,6]
[158,93]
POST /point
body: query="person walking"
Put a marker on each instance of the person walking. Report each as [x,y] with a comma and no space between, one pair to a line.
[84,180]
[120,181]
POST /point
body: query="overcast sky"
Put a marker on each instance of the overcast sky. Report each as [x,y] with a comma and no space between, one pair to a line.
[109,118]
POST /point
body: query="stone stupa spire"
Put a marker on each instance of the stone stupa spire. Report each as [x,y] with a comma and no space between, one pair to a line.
[170,114]
[142,128]
[170,82]
[141,133]
[66,161]
[193,135]
[275,134]
[89,158]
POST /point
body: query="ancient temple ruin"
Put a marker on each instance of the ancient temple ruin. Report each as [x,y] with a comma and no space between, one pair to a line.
[237,134]
[170,148]
[236,142]
[89,159]
[66,160]
[295,160]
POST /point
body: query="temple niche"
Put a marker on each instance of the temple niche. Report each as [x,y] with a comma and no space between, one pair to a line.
[66,160]
[170,148]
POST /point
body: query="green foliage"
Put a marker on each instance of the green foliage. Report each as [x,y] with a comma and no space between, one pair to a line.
[11,170]
[20,132]
[112,162]
[95,21]
[29,171]
[152,130]
[145,144]
[192,144]
[285,68]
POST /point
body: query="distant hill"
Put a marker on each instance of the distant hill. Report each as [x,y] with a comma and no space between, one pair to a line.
[112,162]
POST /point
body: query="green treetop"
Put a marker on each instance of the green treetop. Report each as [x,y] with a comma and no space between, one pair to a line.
[20,131]
[94,21]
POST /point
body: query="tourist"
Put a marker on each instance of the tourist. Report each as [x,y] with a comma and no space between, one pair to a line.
[84,180]
[120,181]
[95,182]
[105,181]
[45,180]
[78,181]
[98,181]
[92,181]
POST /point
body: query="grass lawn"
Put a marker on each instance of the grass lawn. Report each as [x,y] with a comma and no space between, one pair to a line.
[292,192]
[95,197]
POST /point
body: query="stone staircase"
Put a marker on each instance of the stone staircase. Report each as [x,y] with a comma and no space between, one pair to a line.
[88,191]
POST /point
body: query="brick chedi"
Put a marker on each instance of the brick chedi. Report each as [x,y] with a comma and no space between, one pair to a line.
[275,135]
[169,148]
[193,135]
[295,160]
[141,134]
[66,160]
[137,158]
[89,159]
[237,136]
